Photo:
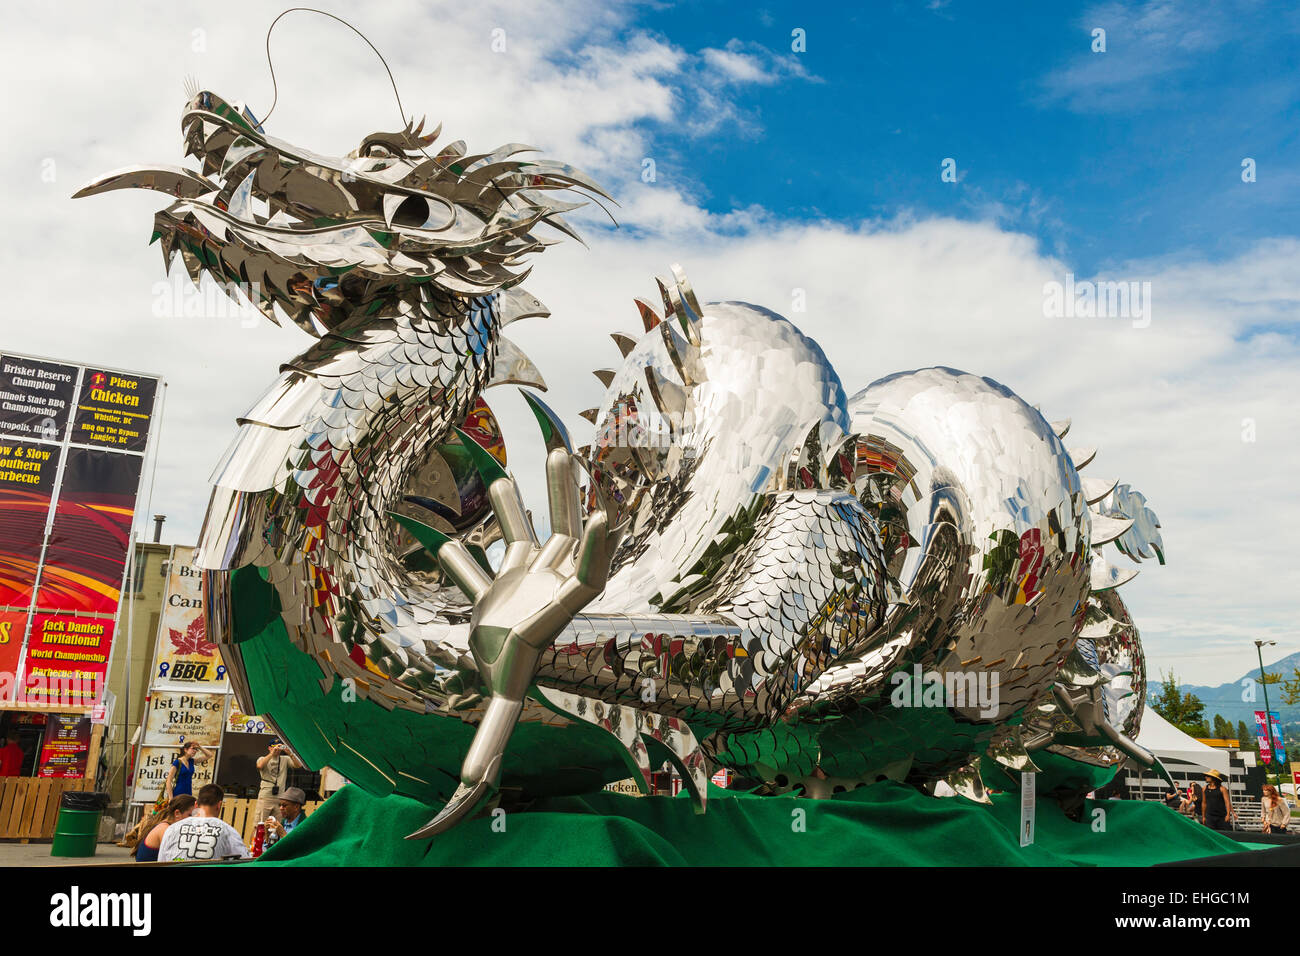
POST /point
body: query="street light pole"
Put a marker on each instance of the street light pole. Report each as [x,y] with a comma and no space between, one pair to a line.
[1268,717]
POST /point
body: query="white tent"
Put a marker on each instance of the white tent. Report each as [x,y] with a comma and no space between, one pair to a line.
[1172,745]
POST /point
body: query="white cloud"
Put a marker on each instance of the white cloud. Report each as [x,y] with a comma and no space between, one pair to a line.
[1145,44]
[741,62]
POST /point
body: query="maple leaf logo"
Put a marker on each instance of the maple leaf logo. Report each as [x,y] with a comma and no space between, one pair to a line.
[193,641]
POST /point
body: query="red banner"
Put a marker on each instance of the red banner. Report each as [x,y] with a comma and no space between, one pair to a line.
[67,660]
[92,528]
[66,746]
[12,624]
[27,474]
[1261,731]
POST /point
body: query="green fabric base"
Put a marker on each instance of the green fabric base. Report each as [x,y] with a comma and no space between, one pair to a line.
[886,824]
[394,751]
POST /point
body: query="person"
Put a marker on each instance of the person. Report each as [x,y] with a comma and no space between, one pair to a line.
[1216,807]
[273,767]
[11,755]
[205,836]
[1276,812]
[181,779]
[1174,800]
[177,809]
[291,815]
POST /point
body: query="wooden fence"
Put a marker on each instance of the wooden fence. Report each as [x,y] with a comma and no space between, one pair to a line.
[30,805]
[242,815]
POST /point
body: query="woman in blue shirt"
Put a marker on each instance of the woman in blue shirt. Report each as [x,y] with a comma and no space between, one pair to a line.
[181,779]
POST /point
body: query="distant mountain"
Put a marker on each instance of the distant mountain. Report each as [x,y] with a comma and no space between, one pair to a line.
[1226,701]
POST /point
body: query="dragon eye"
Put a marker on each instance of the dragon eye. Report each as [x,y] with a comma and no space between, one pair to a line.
[411,211]
[417,211]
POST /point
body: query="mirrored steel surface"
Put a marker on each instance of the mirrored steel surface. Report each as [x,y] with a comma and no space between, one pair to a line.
[776,562]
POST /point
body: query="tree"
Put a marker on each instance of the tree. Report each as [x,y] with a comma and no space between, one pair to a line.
[1245,739]
[1182,709]
[1290,688]
[1222,729]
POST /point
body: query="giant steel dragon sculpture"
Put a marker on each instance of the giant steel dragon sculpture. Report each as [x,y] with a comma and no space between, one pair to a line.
[742,566]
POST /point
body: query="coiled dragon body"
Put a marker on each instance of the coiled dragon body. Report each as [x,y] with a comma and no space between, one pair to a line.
[746,564]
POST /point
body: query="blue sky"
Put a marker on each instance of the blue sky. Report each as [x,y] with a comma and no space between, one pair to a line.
[1130,153]
[777,173]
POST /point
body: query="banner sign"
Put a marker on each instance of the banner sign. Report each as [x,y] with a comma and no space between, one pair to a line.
[185,659]
[627,787]
[27,478]
[72,443]
[13,625]
[36,397]
[67,660]
[65,747]
[114,409]
[152,768]
[86,553]
[1261,731]
[178,716]
[237,722]
[1275,721]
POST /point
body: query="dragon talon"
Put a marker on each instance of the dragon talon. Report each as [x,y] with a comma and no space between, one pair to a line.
[461,805]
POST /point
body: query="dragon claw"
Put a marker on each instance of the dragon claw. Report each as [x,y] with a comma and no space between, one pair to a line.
[481,768]
[462,804]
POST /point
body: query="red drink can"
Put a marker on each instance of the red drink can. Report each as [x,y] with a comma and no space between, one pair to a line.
[259,840]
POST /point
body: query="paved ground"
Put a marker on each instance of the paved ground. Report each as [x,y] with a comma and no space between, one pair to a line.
[38,854]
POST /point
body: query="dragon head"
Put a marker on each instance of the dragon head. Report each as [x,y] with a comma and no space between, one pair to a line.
[319,239]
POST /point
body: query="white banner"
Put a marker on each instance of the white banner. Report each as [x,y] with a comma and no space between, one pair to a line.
[176,716]
[184,658]
[152,768]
